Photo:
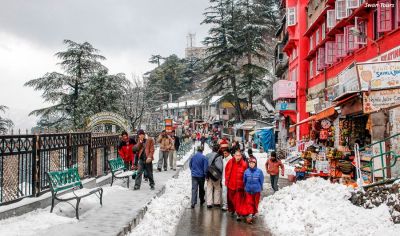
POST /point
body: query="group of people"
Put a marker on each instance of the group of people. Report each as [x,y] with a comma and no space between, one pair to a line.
[169,145]
[233,180]
[138,154]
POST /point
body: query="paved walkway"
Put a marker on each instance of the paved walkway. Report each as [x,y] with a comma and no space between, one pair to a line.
[203,221]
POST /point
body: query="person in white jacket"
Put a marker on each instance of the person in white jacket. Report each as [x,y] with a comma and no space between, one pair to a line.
[227,157]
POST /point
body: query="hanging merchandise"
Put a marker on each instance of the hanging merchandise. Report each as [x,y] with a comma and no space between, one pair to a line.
[323,134]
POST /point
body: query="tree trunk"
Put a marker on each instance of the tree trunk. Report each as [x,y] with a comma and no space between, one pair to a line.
[239,114]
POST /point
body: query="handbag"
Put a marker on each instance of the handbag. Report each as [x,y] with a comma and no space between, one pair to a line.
[213,172]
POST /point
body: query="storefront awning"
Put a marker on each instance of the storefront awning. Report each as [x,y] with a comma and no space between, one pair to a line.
[304,121]
[344,99]
[330,111]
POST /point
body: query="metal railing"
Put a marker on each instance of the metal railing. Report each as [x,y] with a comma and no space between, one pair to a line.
[387,159]
[25,159]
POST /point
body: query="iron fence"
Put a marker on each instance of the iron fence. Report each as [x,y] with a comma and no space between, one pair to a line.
[25,159]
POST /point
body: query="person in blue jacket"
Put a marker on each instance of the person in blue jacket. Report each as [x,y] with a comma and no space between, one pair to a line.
[253,184]
[198,166]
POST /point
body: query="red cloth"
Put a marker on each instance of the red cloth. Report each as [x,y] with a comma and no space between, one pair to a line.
[234,172]
[125,150]
[251,204]
[236,201]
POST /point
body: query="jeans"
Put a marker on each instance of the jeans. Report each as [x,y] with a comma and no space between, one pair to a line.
[172,159]
[144,167]
[274,182]
[198,185]
[224,197]
[163,157]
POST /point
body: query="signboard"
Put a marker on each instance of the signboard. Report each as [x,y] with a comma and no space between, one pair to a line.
[284,89]
[107,118]
[310,105]
[379,75]
[390,55]
[348,81]
[377,100]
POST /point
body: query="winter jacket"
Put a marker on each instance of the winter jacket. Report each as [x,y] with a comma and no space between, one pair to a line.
[225,161]
[198,165]
[165,143]
[147,147]
[125,150]
[272,167]
[253,180]
[218,160]
[234,172]
[177,143]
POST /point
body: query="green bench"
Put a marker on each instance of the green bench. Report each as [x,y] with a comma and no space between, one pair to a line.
[119,171]
[69,180]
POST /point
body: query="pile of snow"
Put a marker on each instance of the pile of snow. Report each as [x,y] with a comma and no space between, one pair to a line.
[163,213]
[34,222]
[317,207]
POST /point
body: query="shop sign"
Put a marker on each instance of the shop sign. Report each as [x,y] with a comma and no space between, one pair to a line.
[391,55]
[377,100]
[284,89]
[332,92]
[310,105]
[379,75]
[348,81]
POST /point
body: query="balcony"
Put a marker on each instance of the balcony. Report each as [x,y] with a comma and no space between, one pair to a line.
[284,89]
[285,106]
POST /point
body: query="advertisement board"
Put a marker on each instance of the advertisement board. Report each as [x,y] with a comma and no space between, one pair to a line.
[376,100]
[284,89]
[379,75]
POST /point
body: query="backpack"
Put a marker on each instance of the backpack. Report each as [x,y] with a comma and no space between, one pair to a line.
[213,172]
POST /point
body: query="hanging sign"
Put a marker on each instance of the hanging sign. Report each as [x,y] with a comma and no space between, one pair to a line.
[376,100]
[379,75]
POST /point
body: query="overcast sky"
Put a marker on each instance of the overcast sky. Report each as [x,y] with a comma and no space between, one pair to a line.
[127,32]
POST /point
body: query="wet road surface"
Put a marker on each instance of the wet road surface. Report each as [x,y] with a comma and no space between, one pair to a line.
[204,221]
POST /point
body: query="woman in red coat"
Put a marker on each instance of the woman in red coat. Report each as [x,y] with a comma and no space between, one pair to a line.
[234,172]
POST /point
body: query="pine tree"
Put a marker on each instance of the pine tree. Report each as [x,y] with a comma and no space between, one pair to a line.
[80,62]
[222,56]
[5,123]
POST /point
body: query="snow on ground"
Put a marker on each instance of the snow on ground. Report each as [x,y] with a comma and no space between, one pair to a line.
[163,213]
[36,221]
[317,207]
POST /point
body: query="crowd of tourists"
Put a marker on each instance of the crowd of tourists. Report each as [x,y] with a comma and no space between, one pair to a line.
[226,178]
[233,181]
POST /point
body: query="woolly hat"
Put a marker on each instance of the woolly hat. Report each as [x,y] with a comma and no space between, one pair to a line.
[252,159]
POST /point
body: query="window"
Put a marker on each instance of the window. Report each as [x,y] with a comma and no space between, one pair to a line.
[321,59]
[317,37]
[311,69]
[323,30]
[311,42]
[330,19]
[384,16]
[291,15]
[330,52]
[352,4]
[340,46]
[349,39]
[361,26]
[341,12]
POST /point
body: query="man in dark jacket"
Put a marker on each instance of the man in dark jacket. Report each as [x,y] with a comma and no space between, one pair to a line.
[125,149]
[144,150]
[198,166]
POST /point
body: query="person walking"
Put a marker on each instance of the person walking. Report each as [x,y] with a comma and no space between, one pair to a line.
[198,166]
[165,146]
[234,172]
[125,150]
[214,175]
[253,184]
[227,156]
[145,156]
[174,149]
[272,166]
